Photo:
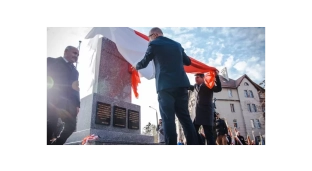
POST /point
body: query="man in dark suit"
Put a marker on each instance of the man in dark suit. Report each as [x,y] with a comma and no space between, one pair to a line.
[171,84]
[241,139]
[63,94]
[222,130]
[204,106]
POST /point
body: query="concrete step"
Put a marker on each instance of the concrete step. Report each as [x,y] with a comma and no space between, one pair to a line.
[106,142]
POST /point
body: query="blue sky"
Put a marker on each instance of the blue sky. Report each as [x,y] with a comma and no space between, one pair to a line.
[241,50]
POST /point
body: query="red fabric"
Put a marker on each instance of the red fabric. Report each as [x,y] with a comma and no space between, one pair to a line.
[87,138]
[195,67]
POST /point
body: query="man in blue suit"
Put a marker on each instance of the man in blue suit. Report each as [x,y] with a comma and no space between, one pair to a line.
[171,84]
[63,94]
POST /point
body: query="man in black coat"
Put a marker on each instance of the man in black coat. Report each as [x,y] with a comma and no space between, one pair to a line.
[204,106]
[171,84]
[222,130]
[241,139]
[63,94]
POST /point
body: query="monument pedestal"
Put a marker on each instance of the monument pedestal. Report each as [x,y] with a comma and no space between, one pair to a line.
[112,120]
[108,111]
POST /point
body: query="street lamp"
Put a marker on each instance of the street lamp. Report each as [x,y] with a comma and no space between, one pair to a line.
[156,115]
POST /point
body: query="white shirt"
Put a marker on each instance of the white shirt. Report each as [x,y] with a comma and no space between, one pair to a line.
[65,60]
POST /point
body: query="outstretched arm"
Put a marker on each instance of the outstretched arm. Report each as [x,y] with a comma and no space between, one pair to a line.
[217,88]
[186,59]
[149,55]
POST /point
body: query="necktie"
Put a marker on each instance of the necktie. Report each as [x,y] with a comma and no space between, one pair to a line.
[71,66]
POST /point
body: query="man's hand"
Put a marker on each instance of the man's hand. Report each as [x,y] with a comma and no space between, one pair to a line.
[132,68]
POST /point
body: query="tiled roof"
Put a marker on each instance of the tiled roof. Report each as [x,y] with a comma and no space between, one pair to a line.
[235,83]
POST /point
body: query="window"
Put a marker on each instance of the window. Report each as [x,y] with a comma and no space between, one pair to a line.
[254,107]
[232,108]
[258,123]
[263,109]
[249,107]
[252,123]
[235,123]
[251,94]
[246,93]
[246,84]
[230,92]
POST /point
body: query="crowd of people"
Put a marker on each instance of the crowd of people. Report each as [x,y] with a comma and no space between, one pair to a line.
[222,135]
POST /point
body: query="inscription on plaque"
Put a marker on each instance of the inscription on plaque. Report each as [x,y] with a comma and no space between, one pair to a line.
[133,119]
[119,116]
[103,113]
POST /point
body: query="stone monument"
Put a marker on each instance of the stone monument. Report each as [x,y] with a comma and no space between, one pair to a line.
[108,111]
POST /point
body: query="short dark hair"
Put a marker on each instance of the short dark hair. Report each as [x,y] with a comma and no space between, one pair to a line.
[157,30]
[200,75]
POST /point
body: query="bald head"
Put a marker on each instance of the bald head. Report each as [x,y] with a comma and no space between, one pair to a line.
[70,47]
[71,54]
[156,30]
[154,33]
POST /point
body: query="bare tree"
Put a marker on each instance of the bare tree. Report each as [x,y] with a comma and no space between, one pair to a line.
[149,129]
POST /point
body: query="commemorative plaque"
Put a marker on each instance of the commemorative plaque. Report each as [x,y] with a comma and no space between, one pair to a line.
[103,113]
[119,116]
[133,119]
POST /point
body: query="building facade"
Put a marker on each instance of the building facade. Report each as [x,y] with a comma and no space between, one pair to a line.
[242,103]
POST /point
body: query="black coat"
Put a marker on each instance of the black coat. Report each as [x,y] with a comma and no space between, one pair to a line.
[204,105]
[64,77]
[242,140]
[221,127]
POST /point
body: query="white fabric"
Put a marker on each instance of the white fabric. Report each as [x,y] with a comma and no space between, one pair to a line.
[130,45]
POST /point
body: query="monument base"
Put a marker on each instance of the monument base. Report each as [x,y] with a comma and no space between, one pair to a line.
[110,138]
[102,142]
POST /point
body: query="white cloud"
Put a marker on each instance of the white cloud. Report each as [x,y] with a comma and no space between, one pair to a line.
[255,72]
[206,29]
[217,61]
[187,45]
[240,66]
[229,62]
[225,31]
[253,59]
[184,38]
[197,53]
[180,30]
[251,67]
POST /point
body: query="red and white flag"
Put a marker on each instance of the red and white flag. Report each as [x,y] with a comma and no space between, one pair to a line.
[132,45]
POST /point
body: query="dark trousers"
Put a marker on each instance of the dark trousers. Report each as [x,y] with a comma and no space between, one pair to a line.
[68,116]
[174,101]
[51,123]
[208,130]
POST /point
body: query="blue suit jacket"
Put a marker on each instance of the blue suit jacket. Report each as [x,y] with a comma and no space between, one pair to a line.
[64,77]
[169,58]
